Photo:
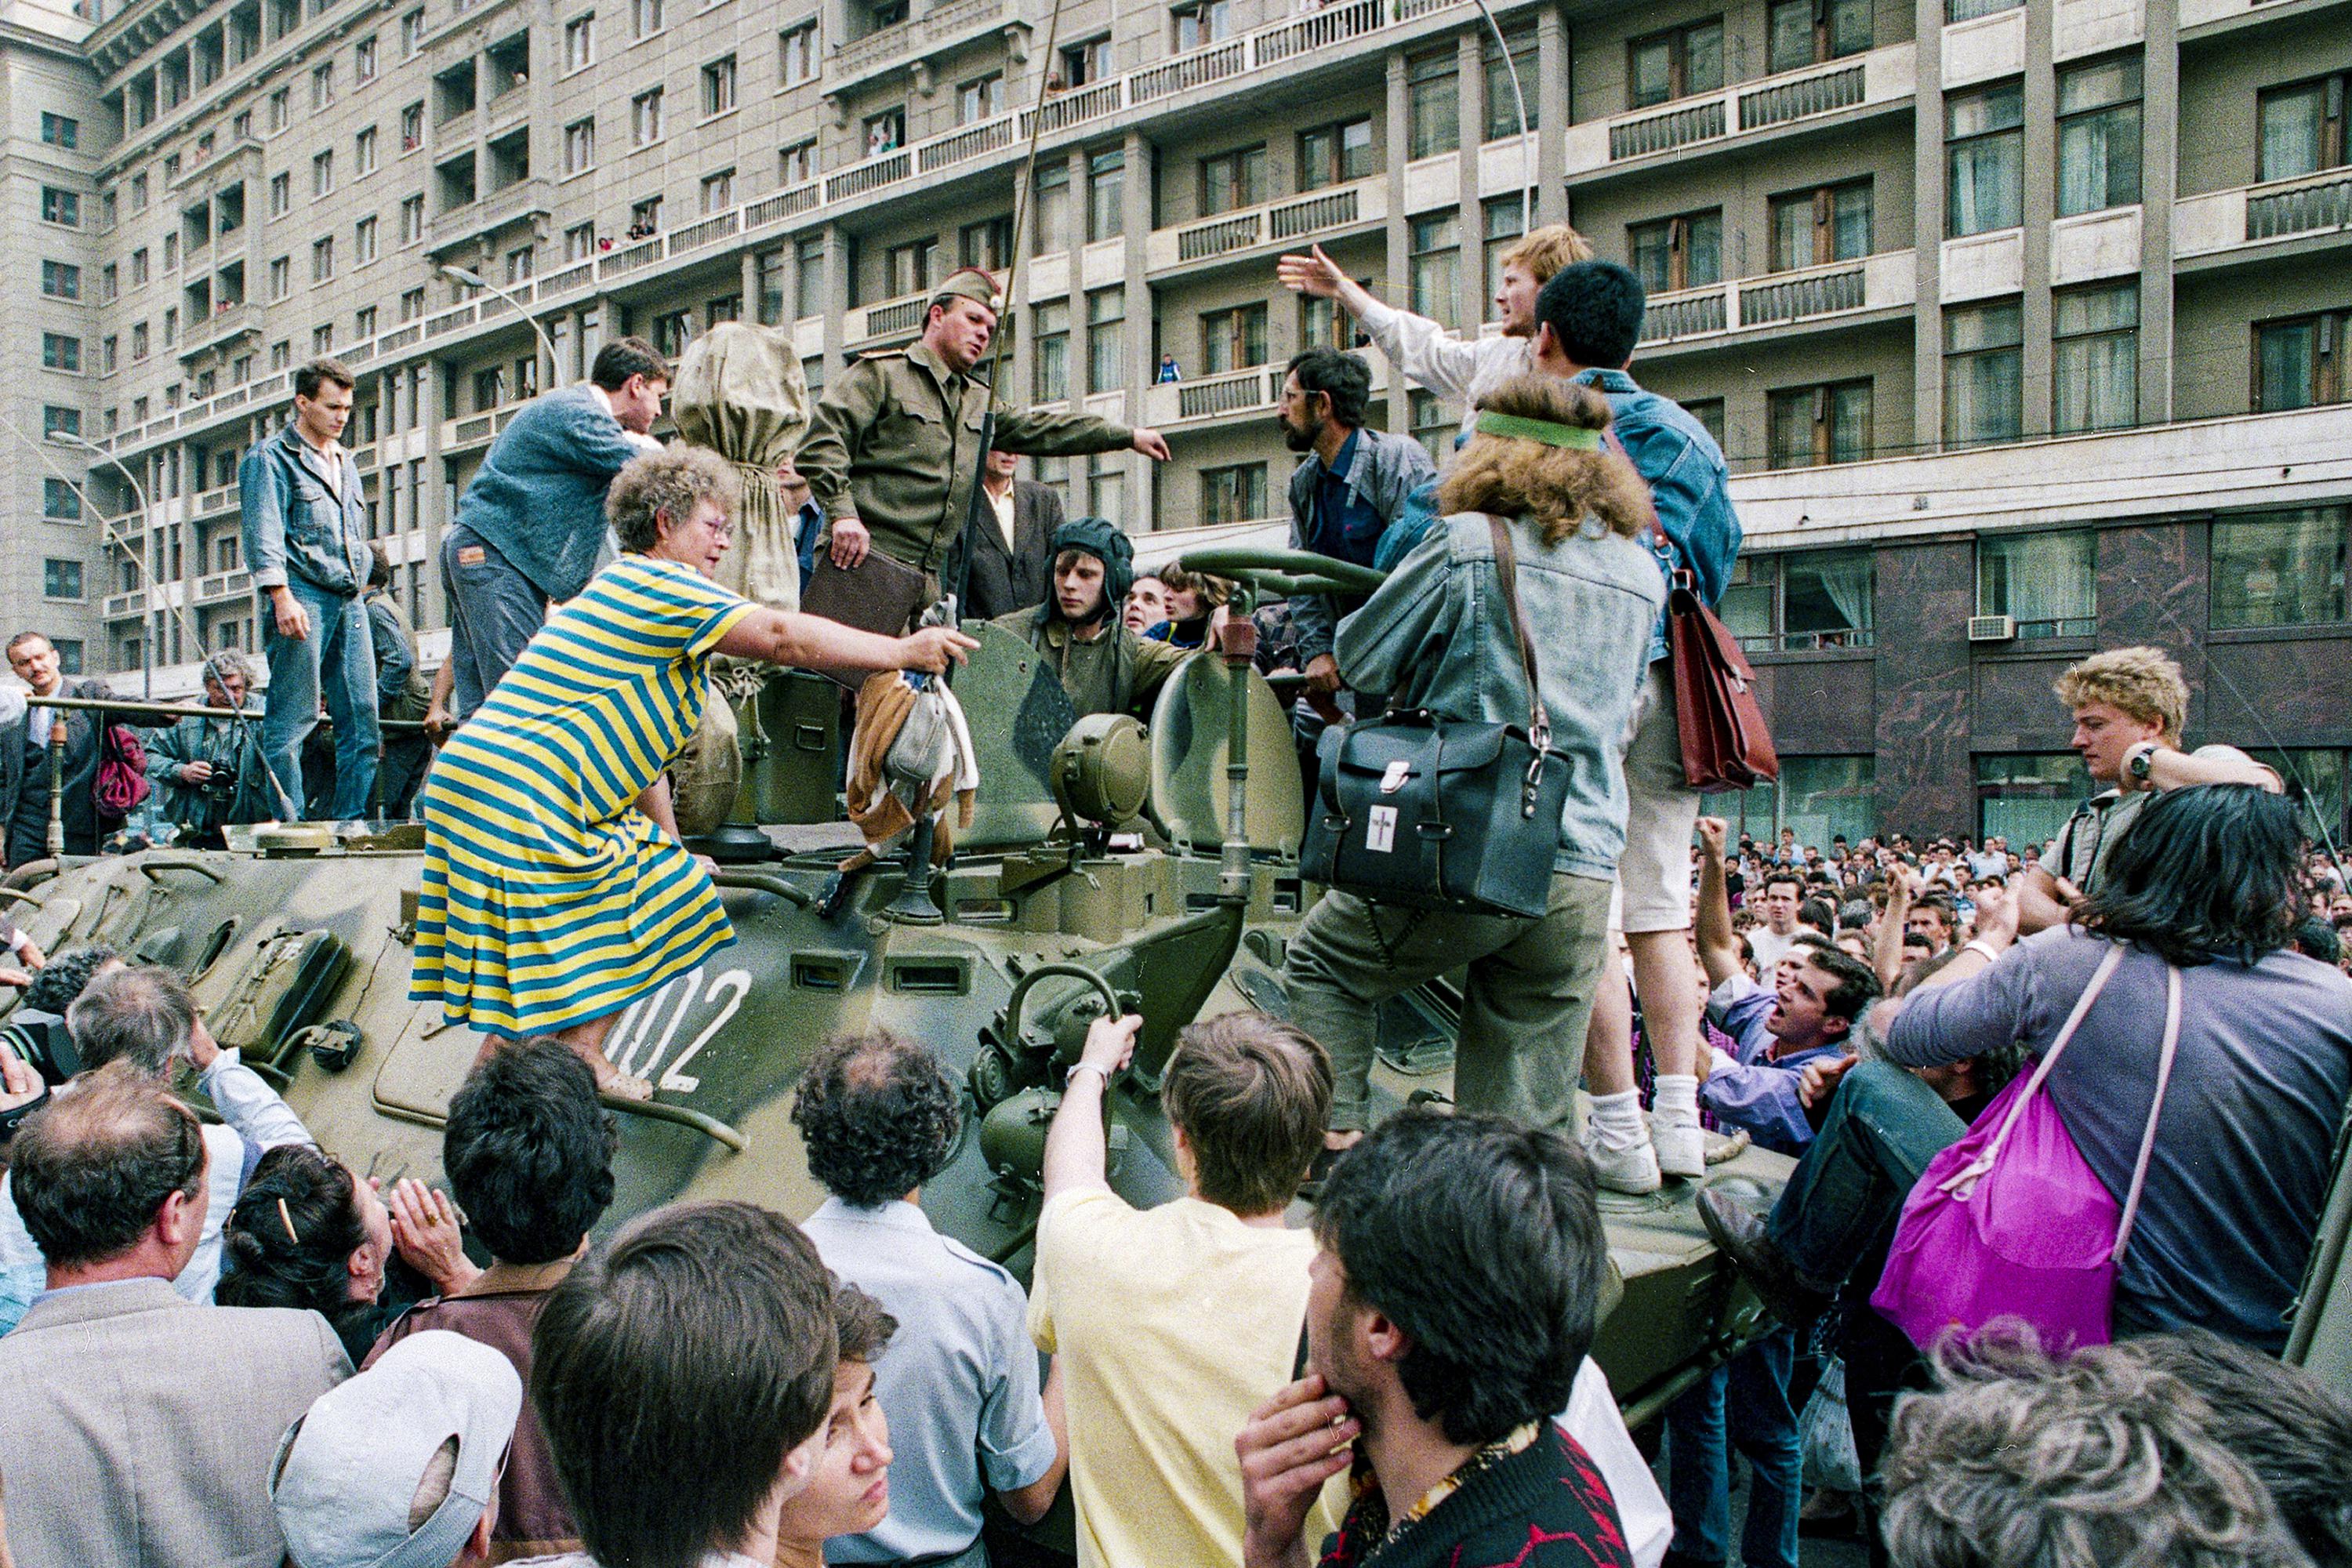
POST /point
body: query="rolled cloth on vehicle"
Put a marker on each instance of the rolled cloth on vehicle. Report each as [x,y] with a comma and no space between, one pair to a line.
[741,393]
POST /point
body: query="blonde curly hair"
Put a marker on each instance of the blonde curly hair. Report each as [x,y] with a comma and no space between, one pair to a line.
[2145,682]
[1555,486]
[667,484]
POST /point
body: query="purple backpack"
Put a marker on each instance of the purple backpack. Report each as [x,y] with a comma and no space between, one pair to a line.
[2011,1222]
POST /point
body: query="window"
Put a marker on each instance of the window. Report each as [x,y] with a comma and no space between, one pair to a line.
[673,331]
[1813,228]
[1106,339]
[138,192]
[363,246]
[987,244]
[808,275]
[412,304]
[911,268]
[796,164]
[1807,32]
[106,211]
[60,207]
[1199,23]
[139,267]
[1433,105]
[1683,252]
[1506,221]
[646,16]
[412,128]
[1801,600]
[1502,108]
[580,242]
[363,158]
[980,100]
[60,579]
[796,54]
[70,655]
[322,85]
[1811,426]
[1817,798]
[1434,424]
[170,326]
[2046,580]
[412,219]
[412,34]
[718,191]
[322,175]
[580,42]
[58,421]
[322,259]
[1322,325]
[645,217]
[138,341]
[579,147]
[2098,136]
[881,14]
[1676,63]
[282,195]
[1232,180]
[2301,129]
[59,131]
[1983,373]
[61,352]
[1106,204]
[2299,361]
[1088,62]
[108,284]
[886,132]
[60,280]
[60,502]
[719,87]
[2026,798]
[281,278]
[1236,493]
[1232,338]
[1434,268]
[1052,208]
[281,108]
[2095,358]
[1333,154]
[1051,380]
[171,252]
[364,61]
[2280,568]
[646,119]
[489,388]
[363,322]
[322,338]
[769,283]
[1984,153]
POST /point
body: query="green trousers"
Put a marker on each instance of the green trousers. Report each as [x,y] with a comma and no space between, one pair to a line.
[1521,1045]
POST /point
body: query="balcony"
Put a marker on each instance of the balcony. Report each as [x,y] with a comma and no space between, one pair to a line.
[120,606]
[1256,390]
[1294,220]
[1877,79]
[942,27]
[2252,217]
[220,586]
[1888,281]
[231,318]
[452,230]
[478,429]
[899,318]
[217,502]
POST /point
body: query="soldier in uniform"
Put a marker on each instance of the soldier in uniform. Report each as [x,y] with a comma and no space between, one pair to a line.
[1104,667]
[894,449]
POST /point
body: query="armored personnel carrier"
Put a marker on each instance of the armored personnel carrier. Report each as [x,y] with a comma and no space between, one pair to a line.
[298,945]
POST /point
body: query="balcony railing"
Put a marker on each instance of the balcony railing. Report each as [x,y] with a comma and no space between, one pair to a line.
[475,429]
[119,605]
[220,586]
[1809,642]
[1879,78]
[2256,214]
[936,28]
[1285,222]
[1252,390]
[1885,281]
[899,318]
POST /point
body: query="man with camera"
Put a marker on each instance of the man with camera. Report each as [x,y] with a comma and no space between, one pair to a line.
[207,772]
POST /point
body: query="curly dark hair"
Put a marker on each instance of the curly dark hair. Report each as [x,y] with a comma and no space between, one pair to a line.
[58,983]
[879,1115]
[860,1323]
[297,1255]
[529,1152]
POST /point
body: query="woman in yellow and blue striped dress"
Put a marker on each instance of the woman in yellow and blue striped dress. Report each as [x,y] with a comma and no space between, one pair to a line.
[555,889]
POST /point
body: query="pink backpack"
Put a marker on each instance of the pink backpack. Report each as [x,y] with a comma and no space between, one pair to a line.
[2011,1222]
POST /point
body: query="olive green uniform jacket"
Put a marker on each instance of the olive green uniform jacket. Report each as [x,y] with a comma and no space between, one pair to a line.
[1109,674]
[894,444]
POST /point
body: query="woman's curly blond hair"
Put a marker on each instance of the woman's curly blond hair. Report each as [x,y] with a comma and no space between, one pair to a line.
[670,484]
[1556,487]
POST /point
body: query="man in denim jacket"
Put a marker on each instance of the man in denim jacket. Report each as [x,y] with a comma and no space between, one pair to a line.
[305,526]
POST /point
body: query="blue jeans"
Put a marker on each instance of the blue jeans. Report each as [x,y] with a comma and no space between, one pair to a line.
[494,612]
[336,661]
[1885,1124]
[1744,1405]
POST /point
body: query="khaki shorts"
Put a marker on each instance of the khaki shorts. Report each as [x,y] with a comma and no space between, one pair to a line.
[1653,878]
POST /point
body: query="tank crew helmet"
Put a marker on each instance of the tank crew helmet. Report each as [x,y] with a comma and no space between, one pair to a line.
[1101,539]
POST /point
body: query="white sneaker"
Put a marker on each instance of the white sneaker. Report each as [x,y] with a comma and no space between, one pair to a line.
[1633,1170]
[1681,1148]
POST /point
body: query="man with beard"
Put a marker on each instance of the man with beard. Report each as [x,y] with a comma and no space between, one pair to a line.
[1105,667]
[1453,1293]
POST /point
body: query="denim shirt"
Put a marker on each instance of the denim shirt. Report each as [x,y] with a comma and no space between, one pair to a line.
[1439,634]
[1688,485]
[295,527]
[1384,469]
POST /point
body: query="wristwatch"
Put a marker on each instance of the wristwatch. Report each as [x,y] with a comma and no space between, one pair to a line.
[2139,759]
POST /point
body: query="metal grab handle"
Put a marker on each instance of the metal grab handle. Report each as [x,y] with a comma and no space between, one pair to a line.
[1333,575]
[1049,971]
[155,863]
[764,883]
[683,1116]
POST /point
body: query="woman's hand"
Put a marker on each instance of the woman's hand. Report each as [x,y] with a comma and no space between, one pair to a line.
[931,650]
[425,1231]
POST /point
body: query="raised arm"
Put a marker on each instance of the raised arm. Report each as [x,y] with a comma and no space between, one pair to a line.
[1887,944]
[787,637]
[1718,944]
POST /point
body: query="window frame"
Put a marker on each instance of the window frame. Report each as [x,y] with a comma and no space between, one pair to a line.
[1822,420]
[1677,231]
[1825,224]
[1676,41]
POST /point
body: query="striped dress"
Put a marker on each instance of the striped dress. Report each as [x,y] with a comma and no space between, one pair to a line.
[548,897]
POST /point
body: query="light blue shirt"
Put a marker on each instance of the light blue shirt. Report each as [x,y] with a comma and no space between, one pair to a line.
[254,1119]
[957,1382]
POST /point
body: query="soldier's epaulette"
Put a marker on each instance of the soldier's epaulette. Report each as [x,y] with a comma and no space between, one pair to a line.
[881,354]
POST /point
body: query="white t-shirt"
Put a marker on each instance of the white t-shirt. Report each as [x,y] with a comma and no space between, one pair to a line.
[1769,949]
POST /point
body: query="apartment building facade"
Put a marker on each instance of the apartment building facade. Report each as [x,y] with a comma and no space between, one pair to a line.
[1894,249]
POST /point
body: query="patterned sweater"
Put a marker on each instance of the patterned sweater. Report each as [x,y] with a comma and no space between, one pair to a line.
[1544,1507]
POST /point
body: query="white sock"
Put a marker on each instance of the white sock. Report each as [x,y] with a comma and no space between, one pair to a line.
[1617,1119]
[1676,1101]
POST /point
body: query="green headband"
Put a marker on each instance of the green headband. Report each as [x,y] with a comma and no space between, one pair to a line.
[1569,436]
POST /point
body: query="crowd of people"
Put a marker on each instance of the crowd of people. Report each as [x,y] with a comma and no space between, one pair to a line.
[414,1375]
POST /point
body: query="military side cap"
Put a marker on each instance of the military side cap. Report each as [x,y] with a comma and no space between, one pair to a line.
[1101,539]
[969,283]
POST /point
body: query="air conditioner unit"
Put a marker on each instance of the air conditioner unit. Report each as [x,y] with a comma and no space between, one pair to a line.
[1993,629]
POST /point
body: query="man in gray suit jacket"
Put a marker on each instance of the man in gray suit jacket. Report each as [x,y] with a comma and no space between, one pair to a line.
[1012,563]
[140,1429]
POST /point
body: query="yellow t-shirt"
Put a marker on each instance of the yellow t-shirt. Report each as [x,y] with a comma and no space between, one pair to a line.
[1172,1324]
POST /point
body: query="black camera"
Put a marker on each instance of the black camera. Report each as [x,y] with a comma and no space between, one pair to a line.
[41,1040]
[221,785]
